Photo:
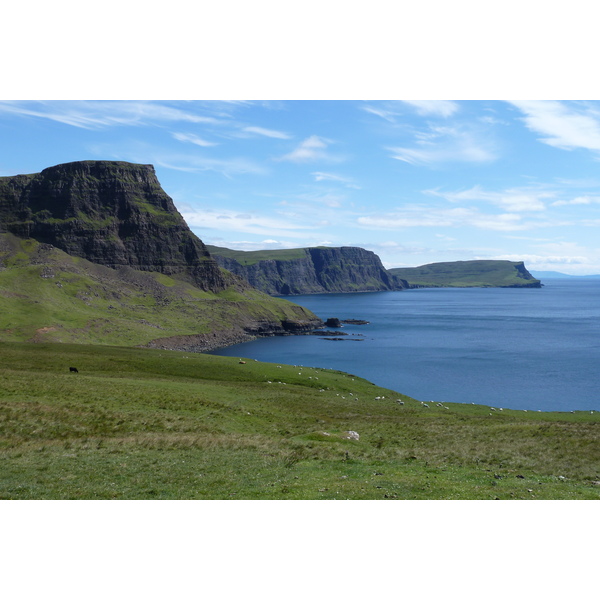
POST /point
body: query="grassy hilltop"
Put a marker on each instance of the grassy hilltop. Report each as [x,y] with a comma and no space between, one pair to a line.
[468,273]
[152,424]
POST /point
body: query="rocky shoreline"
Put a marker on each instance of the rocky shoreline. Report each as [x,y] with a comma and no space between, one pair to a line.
[205,342]
[215,340]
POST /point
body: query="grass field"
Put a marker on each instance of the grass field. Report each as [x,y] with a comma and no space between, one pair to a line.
[252,257]
[150,424]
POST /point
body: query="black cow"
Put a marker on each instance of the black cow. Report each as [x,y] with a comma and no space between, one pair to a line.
[73,370]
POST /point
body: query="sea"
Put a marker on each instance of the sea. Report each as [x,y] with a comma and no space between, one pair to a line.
[518,348]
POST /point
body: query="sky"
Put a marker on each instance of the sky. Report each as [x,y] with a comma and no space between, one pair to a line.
[325,139]
[414,181]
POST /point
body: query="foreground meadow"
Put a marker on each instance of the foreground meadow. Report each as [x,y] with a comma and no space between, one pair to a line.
[150,424]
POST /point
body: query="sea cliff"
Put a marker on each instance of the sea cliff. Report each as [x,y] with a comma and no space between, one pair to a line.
[110,213]
[310,270]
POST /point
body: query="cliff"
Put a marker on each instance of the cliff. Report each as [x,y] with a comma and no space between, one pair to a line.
[470,273]
[95,251]
[110,213]
[309,270]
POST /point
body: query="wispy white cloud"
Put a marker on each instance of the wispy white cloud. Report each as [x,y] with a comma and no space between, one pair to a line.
[311,149]
[330,199]
[388,115]
[438,145]
[579,200]
[193,139]
[196,164]
[426,216]
[545,261]
[438,108]
[511,200]
[250,223]
[99,114]
[347,181]
[272,133]
[550,256]
[392,109]
[563,125]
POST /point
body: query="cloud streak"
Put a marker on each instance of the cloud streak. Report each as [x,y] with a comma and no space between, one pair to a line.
[251,223]
[311,149]
[101,114]
[563,125]
[196,164]
[426,216]
[445,145]
[271,133]
[438,108]
[193,139]
[391,110]
[511,200]
[579,201]
[346,181]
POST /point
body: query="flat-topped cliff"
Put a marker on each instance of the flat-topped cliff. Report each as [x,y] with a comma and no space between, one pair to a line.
[110,213]
[309,270]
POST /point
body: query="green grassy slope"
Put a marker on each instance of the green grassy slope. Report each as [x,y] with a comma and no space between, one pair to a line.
[150,424]
[470,273]
[48,295]
[252,257]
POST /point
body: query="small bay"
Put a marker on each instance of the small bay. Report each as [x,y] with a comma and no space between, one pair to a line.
[531,349]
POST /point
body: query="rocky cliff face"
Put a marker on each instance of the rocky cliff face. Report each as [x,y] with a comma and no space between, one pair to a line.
[110,213]
[315,271]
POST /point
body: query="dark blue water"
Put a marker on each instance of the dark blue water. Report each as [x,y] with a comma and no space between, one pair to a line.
[536,349]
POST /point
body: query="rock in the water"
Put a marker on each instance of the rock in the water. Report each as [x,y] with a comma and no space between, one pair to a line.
[333,322]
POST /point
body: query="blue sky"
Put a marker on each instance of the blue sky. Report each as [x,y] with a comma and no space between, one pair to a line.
[414,181]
